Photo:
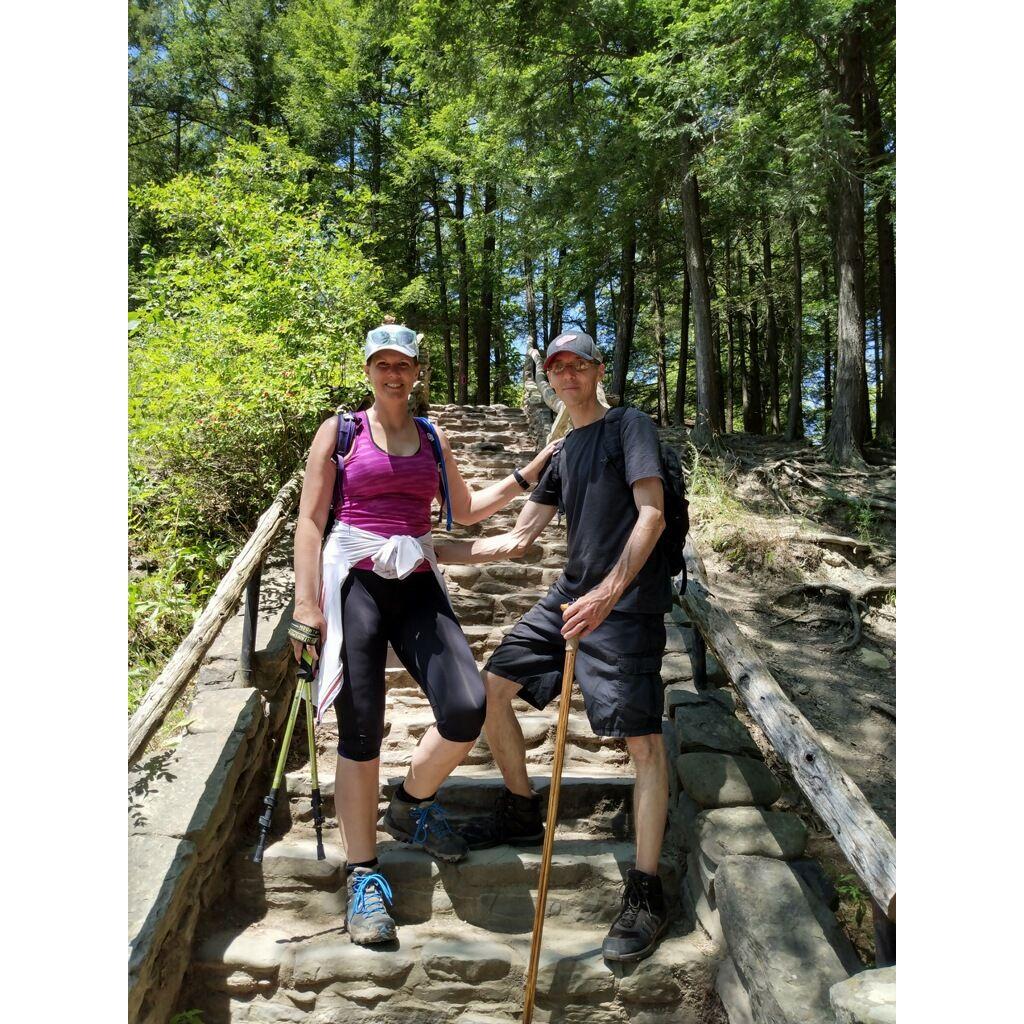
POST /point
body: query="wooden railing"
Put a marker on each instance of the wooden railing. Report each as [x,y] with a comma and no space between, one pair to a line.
[864,838]
[244,575]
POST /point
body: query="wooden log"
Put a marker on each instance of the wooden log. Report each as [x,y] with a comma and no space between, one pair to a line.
[863,837]
[169,685]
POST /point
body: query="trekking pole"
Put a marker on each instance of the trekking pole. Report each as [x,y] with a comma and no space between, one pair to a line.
[549,833]
[306,675]
[302,688]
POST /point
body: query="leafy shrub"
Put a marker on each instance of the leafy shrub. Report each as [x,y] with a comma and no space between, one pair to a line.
[245,332]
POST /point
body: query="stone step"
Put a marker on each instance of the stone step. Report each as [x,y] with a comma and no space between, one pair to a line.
[493,889]
[269,971]
[596,801]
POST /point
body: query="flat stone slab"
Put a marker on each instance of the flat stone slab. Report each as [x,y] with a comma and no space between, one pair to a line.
[725,780]
[749,831]
[866,998]
[732,993]
[709,726]
[160,870]
[580,978]
[189,792]
[259,952]
[223,710]
[787,946]
[292,862]
[684,695]
[471,962]
[340,959]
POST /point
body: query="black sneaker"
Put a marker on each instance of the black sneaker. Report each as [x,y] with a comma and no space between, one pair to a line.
[641,922]
[423,824]
[515,820]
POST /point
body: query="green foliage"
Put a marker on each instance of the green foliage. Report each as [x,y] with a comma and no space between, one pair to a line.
[291,163]
[245,333]
[188,1017]
[856,899]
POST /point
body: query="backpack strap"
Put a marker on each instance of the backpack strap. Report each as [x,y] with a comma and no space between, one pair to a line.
[435,445]
[613,438]
[348,427]
[556,465]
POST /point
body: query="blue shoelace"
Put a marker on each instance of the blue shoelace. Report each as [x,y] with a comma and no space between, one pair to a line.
[367,891]
[430,819]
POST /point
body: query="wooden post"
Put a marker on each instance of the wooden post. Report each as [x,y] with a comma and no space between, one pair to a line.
[249,624]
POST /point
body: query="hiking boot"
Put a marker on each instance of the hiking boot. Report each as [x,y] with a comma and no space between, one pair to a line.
[366,914]
[423,824]
[515,820]
[641,922]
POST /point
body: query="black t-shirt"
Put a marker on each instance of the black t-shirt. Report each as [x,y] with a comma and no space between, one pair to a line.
[600,511]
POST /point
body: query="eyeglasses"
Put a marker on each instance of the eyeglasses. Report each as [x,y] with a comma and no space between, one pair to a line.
[580,366]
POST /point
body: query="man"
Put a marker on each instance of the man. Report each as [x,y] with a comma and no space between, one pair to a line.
[618,584]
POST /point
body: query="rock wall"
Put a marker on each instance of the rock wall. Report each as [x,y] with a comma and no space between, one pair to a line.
[188,803]
[749,887]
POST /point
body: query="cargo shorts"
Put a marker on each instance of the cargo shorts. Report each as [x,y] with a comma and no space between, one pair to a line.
[618,666]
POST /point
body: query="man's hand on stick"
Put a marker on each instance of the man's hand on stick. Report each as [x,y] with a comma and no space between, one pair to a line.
[586,613]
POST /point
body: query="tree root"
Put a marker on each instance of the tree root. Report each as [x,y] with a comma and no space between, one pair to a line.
[808,478]
[856,602]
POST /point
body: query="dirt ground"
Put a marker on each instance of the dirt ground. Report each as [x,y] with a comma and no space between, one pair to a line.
[836,528]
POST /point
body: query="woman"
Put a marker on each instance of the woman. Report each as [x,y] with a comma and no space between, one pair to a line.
[376,583]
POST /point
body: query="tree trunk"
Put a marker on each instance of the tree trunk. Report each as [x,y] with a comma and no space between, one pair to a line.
[590,304]
[753,417]
[826,344]
[795,421]
[659,334]
[556,297]
[729,326]
[708,421]
[741,321]
[485,324]
[627,316]
[460,234]
[885,417]
[544,295]
[847,427]
[684,348]
[771,340]
[876,331]
[531,303]
[177,141]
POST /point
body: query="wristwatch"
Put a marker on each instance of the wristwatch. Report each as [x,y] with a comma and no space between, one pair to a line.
[520,479]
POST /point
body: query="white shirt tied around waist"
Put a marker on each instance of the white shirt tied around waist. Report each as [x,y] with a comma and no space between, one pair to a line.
[394,558]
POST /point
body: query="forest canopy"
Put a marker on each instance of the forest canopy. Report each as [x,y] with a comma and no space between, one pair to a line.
[707,187]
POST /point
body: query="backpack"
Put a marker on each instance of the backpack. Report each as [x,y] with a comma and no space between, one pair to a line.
[677,516]
[348,426]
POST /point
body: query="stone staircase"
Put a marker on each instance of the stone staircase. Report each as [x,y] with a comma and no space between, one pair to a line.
[274,949]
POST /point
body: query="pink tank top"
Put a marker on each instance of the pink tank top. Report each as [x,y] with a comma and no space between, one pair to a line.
[388,494]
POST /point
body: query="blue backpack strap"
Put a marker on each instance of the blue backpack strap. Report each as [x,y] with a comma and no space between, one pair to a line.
[435,444]
[347,427]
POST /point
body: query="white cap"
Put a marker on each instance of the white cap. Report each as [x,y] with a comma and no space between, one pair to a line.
[397,337]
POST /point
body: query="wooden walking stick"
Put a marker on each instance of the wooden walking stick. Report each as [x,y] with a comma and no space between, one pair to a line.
[549,833]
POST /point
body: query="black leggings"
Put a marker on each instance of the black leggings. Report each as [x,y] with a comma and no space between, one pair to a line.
[415,617]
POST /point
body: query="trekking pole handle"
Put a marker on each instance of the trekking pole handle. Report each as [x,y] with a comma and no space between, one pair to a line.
[306,670]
